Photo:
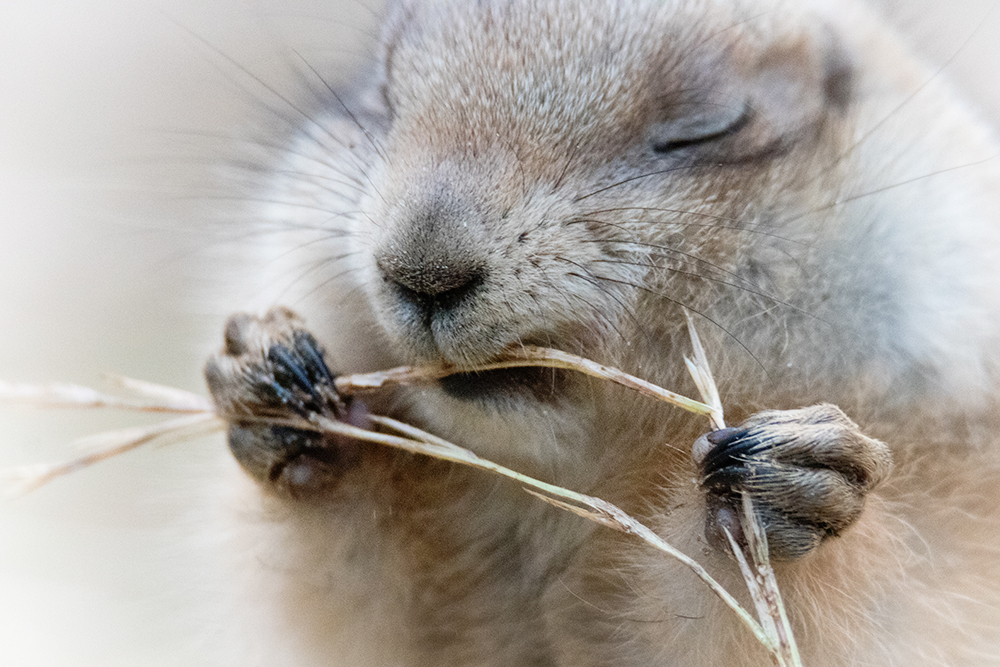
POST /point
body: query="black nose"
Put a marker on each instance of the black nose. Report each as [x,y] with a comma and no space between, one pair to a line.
[435,259]
[435,252]
[431,282]
[430,272]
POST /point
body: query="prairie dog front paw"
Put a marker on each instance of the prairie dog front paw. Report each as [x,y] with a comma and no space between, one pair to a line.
[271,367]
[807,470]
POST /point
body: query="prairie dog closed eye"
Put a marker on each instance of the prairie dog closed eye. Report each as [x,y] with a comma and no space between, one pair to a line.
[577,174]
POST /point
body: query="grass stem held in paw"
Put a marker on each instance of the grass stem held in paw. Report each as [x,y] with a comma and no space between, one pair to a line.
[201,417]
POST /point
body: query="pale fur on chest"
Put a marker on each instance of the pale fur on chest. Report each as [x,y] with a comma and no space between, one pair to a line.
[848,254]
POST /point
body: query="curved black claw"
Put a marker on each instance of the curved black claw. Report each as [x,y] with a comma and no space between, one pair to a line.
[808,472]
[273,369]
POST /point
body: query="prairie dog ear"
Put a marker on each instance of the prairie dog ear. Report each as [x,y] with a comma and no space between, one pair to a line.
[754,100]
[794,82]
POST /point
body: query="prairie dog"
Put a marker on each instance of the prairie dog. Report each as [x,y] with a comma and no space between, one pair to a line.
[577,174]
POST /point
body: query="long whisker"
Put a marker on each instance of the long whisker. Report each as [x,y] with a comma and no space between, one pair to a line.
[313,268]
[318,179]
[872,131]
[350,114]
[255,168]
[919,89]
[594,280]
[763,295]
[675,251]
[870,193]
[682,212]
[630,179]
[333,278]
[595,283]
[661,295]
[269,88]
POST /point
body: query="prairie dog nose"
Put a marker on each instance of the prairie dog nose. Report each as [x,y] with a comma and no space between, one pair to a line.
[436,255]
[431,271]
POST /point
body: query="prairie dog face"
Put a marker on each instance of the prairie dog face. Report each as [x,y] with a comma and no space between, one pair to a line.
[577,174]
[534,152]
[527,167]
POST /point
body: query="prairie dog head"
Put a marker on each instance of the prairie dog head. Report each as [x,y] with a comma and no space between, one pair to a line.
[536,150]
[575,174]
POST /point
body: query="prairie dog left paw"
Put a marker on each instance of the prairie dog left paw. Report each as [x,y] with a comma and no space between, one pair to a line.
[807,470]
[271,369]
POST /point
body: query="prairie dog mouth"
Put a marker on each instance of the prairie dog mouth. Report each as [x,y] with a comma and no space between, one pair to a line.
[507,387]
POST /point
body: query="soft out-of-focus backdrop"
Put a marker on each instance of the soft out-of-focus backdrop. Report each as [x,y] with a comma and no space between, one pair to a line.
[110,113]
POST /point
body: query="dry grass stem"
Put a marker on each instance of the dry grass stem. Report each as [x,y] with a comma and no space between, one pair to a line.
[701,373]
[26,479]
[760,579]
[150,397]
[768,600]
[528,355]
[201,417]
[177,400]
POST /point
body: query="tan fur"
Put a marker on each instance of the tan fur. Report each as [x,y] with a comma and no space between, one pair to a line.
[843,248]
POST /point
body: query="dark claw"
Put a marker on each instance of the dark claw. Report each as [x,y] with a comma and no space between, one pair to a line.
[312,357]
[288,371]
[725,481]
[733,449]
[272,369]
[725,436]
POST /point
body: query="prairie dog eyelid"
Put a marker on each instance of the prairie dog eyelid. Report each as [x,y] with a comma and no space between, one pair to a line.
[719,121]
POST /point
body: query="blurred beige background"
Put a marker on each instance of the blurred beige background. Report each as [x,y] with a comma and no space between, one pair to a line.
[104,105]
[105,111]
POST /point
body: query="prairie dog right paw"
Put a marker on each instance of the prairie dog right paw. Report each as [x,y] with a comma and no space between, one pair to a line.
[271,367]
[807,470]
